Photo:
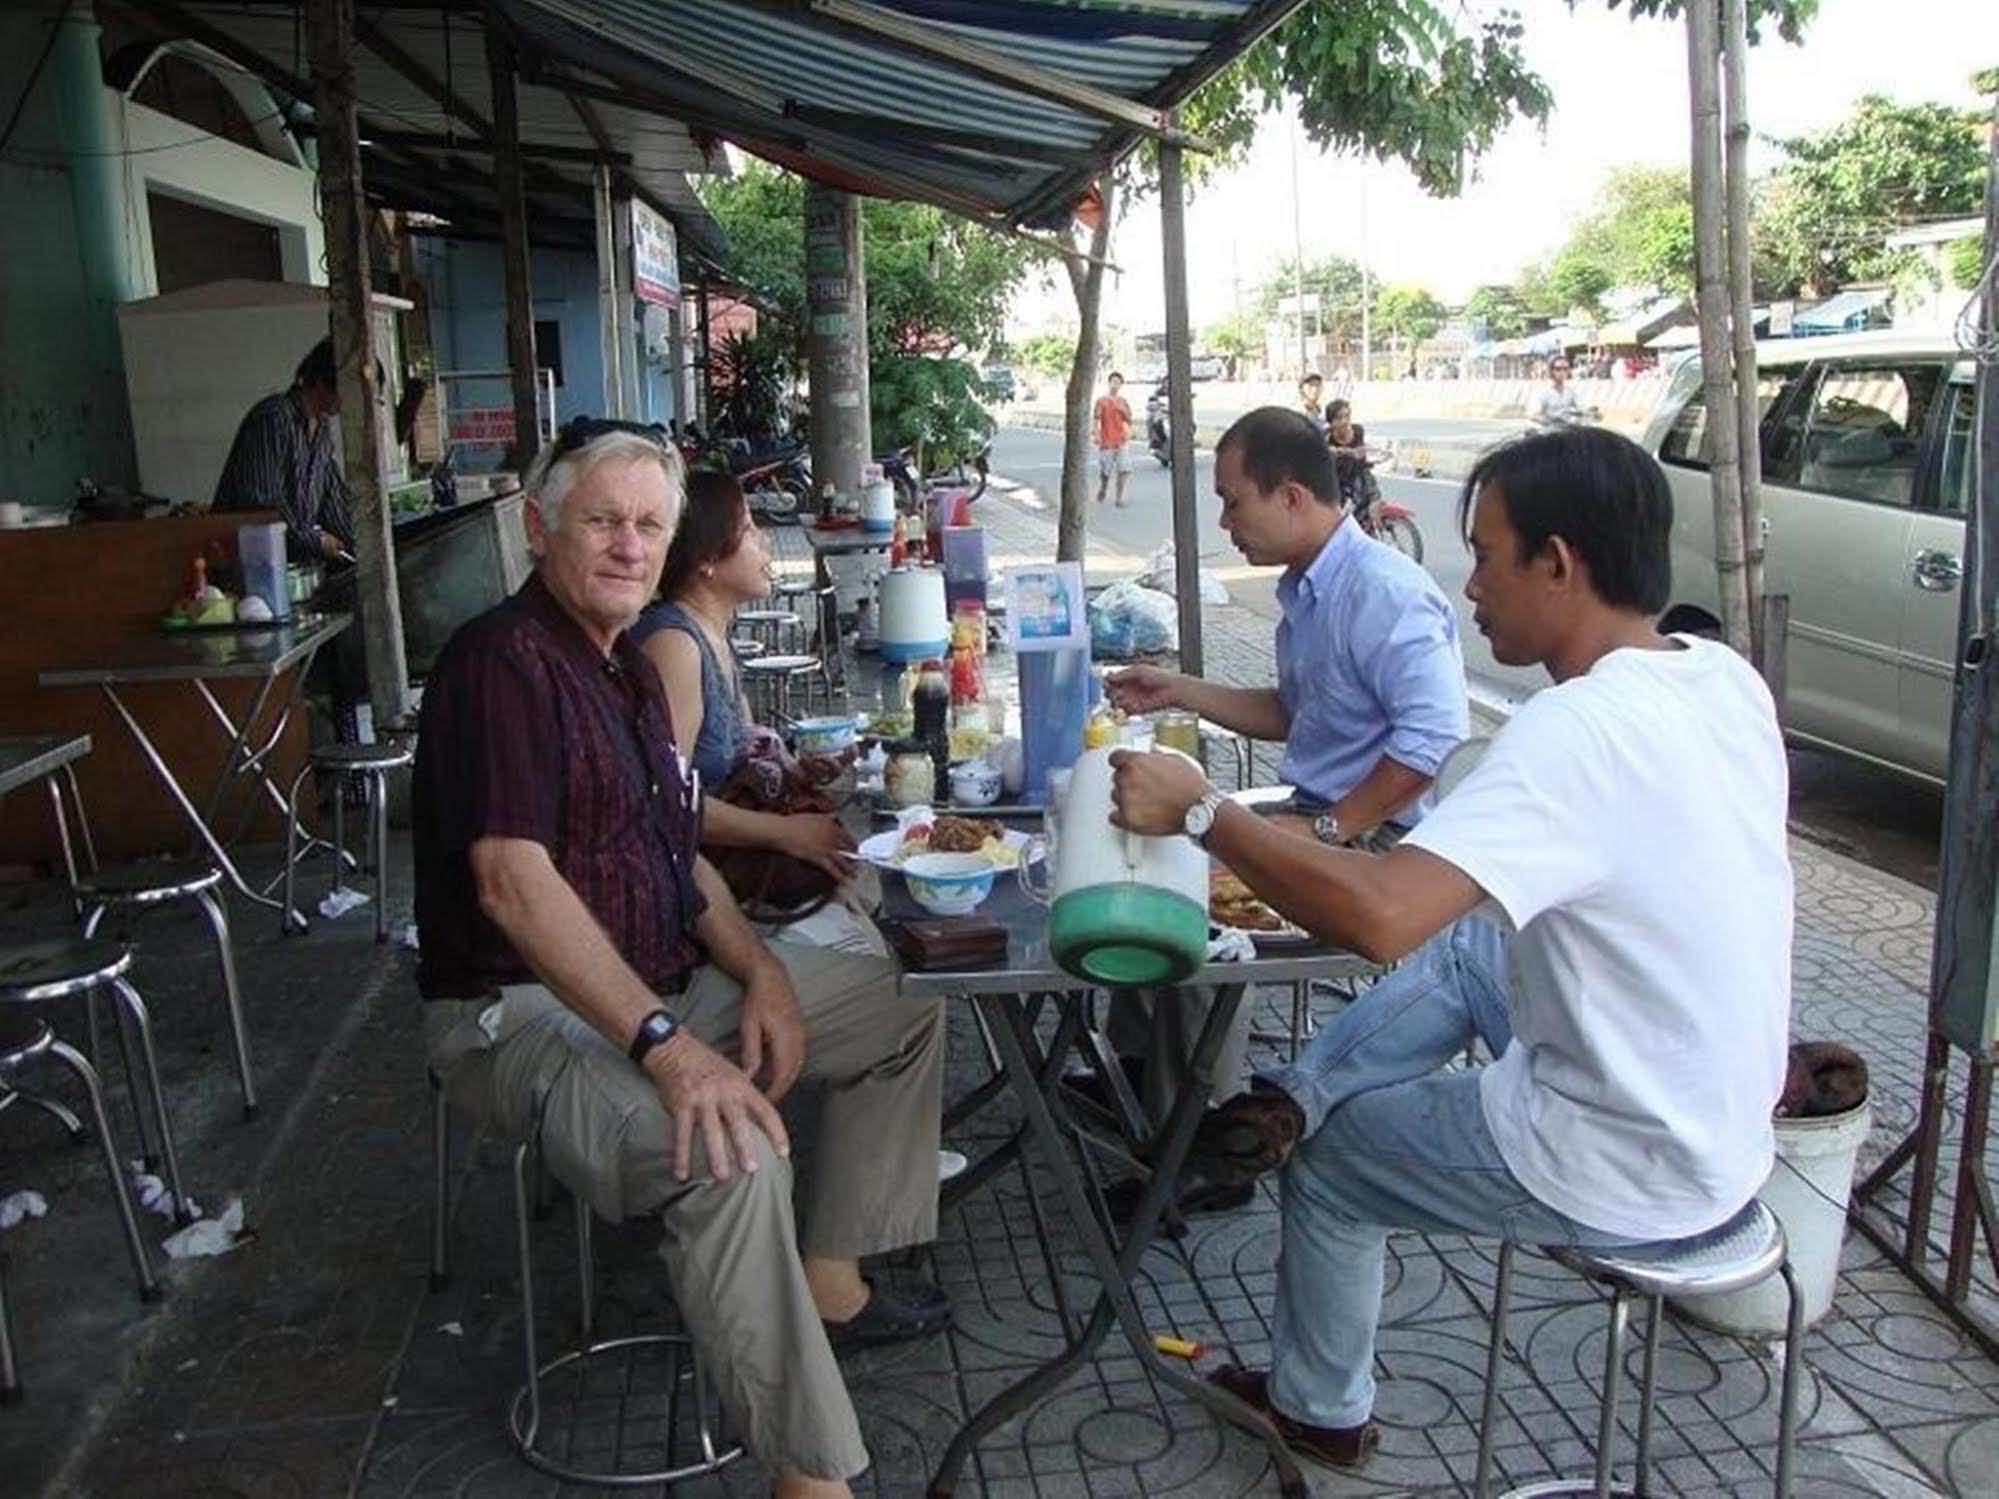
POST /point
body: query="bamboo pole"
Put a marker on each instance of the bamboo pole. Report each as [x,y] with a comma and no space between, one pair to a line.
[331,29]
[1724,447]
[1749,415]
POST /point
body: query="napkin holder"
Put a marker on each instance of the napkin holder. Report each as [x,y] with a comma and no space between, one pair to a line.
[947,943]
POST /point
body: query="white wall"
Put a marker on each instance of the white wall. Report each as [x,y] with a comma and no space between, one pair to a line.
[174,158]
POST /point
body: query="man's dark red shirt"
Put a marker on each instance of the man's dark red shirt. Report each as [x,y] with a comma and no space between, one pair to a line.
[529,731]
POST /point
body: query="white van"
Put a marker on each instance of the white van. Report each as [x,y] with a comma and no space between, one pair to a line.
[1867,461]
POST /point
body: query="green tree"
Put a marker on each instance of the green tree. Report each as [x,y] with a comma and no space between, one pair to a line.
[1576,281]
[1048,354]
[1839,193]
[1500,309]
[1235,338]
[1408,314]
[1964,259]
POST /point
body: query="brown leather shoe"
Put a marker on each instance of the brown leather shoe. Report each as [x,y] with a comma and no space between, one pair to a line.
[1335,1446]
[1251,1134]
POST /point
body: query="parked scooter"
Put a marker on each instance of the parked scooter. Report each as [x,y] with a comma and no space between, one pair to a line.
[1158,431]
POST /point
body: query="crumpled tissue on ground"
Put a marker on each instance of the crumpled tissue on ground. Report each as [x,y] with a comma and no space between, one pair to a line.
[209,1236]
[340,900]
[153,1194]
[18,1207]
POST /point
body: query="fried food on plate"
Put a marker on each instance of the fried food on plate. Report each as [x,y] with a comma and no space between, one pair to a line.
[1232,903]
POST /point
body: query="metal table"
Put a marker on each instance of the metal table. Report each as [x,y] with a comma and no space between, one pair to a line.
[196,658]
[844,541]
[51,759]
[1009,998]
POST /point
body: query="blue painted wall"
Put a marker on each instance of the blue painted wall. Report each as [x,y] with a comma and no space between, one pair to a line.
[468,326]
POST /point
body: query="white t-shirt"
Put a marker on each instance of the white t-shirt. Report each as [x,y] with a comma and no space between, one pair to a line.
[1630,823]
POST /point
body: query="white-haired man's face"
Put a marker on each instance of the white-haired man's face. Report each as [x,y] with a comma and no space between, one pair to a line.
[602,558]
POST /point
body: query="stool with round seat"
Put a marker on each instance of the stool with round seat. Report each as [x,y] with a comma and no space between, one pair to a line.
[141,887]
[60,968]
[525,1411]
[776,629]
[1742,1252]
[24,1038]
[770,679]
[336,762]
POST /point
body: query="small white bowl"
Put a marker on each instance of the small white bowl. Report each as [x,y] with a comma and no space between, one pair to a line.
[949,884]
[823,736]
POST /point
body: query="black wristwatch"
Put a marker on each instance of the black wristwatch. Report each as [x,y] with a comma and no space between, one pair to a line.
[655,1030]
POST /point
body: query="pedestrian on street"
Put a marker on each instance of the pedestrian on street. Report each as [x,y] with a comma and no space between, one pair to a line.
[1112,421]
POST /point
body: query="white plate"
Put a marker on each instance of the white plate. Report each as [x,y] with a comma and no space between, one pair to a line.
[880,849]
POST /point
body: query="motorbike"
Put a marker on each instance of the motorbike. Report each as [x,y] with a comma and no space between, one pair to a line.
[1380,517]
[1158,434]
[899,468]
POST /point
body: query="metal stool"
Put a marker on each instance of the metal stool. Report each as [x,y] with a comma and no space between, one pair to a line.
[22,1039]
[524,1411]
[770,678]
[745,648]
[1744,1251]
[371,762]
[142,886]
[65,967]
[1214,739]
[824,605]
[775,629]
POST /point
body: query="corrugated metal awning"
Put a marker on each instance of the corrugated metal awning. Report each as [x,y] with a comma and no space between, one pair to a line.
[1003,110]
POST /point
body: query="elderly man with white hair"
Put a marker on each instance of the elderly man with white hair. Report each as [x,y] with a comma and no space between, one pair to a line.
[587,973]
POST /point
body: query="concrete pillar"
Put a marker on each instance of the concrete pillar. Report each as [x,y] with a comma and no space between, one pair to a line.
[836,296]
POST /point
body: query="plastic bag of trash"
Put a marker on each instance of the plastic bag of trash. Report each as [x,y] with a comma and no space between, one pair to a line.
[1128,620]
[1159,574]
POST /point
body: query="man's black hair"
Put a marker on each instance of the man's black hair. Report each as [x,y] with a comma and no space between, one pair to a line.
[1113,375]
[1600,492]
[1278,444]
[317,367]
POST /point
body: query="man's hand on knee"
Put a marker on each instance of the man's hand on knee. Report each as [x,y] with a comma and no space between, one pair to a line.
[704,1091]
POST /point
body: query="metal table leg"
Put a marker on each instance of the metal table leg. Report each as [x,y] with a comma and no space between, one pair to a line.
[1039,1096]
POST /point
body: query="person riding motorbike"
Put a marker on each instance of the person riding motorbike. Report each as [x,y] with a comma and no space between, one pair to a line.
[1158,428]
[1351,463]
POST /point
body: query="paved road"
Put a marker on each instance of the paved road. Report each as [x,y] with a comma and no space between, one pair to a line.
[1865,813]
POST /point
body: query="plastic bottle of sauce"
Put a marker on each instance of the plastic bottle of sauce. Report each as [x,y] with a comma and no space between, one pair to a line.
[931,707]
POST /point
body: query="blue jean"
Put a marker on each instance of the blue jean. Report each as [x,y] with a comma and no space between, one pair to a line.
[1391,1142]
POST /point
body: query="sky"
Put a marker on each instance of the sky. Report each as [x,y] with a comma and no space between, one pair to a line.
[1620,90]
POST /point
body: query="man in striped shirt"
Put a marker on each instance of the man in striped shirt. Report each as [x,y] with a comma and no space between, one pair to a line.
[284,459]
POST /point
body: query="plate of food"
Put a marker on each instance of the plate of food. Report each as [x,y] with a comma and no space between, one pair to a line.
[1231,903]
[947,833]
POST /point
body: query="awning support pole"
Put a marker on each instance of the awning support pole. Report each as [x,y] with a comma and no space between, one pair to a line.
[1180,407]
[514,243]
[607,295]
[352,318]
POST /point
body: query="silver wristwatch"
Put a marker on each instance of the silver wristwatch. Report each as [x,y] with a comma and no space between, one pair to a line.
[1326,828]
[1200,820]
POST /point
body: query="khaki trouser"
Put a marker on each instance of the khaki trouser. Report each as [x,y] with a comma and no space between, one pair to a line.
[731,1249]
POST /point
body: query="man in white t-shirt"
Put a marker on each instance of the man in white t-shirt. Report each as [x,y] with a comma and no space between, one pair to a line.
[1555,405]
[1605,901]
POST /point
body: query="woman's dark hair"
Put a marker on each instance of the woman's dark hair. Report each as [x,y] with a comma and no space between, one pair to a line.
[1335,408]
[711,526]
[1598,491]
[1277,445]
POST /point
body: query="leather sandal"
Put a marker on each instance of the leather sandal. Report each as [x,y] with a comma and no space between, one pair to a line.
[891,1314]
[1335,1446]
[1248,1136]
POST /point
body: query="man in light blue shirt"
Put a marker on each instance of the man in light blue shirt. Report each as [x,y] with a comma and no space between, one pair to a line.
[1370,692]
[1370,696]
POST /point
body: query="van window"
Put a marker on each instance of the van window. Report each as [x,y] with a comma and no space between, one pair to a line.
[1686,442]
[1960,436]
[1865,431]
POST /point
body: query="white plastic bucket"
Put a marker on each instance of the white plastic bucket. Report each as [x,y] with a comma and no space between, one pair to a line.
[1807,1189]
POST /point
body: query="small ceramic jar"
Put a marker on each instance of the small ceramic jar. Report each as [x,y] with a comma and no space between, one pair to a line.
[975,783]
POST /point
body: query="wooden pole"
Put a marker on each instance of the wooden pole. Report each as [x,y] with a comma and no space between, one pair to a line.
[1180,406]
[1710,280]
[1742,322]
[352,319]
[514,242]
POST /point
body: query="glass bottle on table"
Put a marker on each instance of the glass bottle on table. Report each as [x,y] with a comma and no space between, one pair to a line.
[931,708]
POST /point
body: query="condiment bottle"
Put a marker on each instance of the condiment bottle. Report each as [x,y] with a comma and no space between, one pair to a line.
[931,708]
[898,546]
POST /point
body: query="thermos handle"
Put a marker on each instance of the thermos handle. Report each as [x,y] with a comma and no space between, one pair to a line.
[1037,846]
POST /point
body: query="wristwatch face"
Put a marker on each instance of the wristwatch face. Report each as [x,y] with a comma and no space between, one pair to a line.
[654,1029]
[1200,817]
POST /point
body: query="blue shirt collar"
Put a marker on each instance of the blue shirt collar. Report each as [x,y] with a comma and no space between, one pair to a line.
[1323,574]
